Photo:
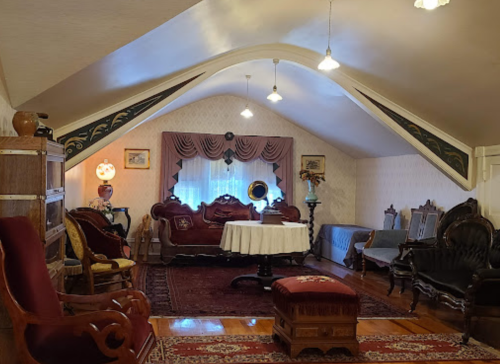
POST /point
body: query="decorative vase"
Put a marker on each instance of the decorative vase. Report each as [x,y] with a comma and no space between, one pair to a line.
[25,123]
[311,195]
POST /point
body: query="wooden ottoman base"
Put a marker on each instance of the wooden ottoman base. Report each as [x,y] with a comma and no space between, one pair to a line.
[323,332]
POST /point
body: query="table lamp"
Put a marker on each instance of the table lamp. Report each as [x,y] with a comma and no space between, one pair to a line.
[105,172]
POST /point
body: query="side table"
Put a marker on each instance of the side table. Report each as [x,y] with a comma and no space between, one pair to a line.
[312,250]
[125,211]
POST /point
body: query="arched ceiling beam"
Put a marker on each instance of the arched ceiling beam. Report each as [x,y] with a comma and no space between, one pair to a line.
[448,154]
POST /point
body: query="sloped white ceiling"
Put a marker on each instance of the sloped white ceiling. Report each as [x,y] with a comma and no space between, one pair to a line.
[45,41]
[324,109]
[441,65]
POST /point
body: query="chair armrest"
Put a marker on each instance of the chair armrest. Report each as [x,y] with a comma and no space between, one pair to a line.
[100,258]
[100,325]
[137,301]
[386,239]
[488,274]
[304,221]
[418,244]
[164,232]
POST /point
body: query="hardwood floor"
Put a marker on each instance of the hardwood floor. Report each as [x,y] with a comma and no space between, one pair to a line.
[433,317]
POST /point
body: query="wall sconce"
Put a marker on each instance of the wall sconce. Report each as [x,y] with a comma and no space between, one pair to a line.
[105,172]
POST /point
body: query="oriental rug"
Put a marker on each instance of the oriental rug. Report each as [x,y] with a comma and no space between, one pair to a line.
[201,291]
[233,349]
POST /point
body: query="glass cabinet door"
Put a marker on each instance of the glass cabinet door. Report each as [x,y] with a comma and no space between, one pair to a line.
[55,174]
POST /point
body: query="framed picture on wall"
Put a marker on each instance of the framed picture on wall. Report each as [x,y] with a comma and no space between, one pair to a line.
[137,158]
[313,163]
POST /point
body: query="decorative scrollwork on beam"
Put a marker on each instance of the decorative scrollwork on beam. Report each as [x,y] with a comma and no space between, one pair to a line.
[452,156]
[80,139]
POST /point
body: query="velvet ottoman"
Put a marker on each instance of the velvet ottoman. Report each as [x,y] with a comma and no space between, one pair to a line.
[315,312]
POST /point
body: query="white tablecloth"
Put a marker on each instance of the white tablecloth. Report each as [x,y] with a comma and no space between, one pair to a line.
[252,237]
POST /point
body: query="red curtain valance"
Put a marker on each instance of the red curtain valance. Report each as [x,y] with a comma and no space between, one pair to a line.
[178,146]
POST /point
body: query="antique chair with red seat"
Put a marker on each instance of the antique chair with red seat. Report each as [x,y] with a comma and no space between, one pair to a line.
[117,333]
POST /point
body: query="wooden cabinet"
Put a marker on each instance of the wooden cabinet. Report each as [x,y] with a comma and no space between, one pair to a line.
[32,185]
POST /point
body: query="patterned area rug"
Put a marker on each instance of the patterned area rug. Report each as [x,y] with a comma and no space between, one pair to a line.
[194,291]
[262,349]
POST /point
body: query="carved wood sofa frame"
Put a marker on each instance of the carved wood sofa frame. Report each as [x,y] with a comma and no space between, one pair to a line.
[170,250]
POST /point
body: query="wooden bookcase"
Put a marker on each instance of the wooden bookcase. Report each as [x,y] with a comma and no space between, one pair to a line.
[32,184]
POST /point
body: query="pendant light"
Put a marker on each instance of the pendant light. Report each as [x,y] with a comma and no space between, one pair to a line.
[247,113]
[275,96]
[329,63]
[430,4]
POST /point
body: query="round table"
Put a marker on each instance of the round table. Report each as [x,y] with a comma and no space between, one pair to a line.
[263,240]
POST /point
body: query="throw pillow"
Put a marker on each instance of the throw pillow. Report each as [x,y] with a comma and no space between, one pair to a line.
[183,222]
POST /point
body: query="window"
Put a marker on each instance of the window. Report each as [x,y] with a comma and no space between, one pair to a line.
[201,179]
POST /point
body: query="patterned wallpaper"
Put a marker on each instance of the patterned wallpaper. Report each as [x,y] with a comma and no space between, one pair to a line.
[139,189]
[6,113]
[405,181]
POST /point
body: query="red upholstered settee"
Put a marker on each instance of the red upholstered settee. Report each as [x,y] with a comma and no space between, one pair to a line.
[184,231]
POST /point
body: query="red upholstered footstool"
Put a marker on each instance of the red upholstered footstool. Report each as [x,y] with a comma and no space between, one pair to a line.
[315,312]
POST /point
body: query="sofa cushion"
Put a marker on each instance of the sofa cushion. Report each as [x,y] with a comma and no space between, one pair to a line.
[384,255]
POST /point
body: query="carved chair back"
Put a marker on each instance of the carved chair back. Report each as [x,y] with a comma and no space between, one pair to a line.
[459,211]
[424,222]
[389,218]
[473,237]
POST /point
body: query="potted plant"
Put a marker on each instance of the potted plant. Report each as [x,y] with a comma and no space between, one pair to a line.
[313,180]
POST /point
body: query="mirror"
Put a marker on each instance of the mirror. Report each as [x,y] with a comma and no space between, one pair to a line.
[257,190]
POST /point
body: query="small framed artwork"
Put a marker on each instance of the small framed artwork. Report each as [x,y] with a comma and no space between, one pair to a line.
[137,158]
[313,163]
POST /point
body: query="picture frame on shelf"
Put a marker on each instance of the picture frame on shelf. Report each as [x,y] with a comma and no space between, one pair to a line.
[313,163]
[137,159]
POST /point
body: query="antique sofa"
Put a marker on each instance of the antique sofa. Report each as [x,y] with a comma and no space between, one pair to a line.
[184,231]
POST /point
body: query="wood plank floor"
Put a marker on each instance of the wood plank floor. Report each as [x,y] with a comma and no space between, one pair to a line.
[433,317]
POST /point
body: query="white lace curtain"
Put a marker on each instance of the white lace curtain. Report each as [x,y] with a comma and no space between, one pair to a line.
[201,179]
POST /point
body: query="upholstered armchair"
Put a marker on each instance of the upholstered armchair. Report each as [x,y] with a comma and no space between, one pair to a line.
[400,267]
[460,275]
[100,258]
[117,332]
[423,225]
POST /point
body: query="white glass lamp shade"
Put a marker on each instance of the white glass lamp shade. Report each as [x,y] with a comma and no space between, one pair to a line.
[105,171]
[430,4]
[275,96]
[328,63]
[247,113]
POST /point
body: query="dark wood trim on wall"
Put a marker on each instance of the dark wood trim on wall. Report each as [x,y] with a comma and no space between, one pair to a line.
[452,156]
[82,138]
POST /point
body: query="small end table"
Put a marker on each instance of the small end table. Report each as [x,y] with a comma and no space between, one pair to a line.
[312,250]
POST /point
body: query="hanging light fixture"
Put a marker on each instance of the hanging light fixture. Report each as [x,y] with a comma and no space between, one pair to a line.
[430,4]
[247,113]
[329,63]
[275,96]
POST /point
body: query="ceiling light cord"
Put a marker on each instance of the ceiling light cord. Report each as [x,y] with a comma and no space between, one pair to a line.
[275,64]
[330,23]
[247,90]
